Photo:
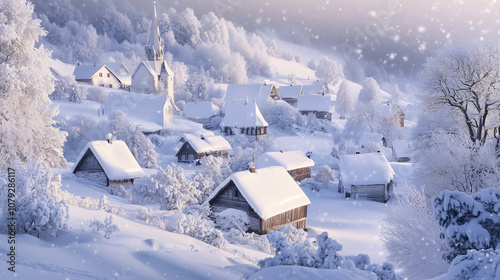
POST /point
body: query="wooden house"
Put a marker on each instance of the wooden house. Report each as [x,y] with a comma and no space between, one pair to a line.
[261,93]
[269,196]
[201,112]
[399,115]
[317,105]
[108,163]
[313,87]
[290,94]
[244,117]
[195,148]
[366,176]
[401,150]
[296,163]
[97,75]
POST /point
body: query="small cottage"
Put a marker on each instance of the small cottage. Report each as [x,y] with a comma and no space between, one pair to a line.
[318,105]
[269,196]
[108,163]
[313,87]
[367,176]
[195,148]
[97,75]
[261,93]
[296,163]
[290,94]
[401,150]
[244,117]
[201,112]
[194,134]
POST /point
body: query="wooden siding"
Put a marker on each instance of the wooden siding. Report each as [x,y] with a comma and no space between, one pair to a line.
[90,169]
[318,114]
[187,154]
[98,177]
[379,192]
[230,197]
[300,174]
[125,183]
[296,217]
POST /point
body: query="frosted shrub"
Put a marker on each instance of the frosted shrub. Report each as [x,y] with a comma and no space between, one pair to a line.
[199,227]
[97,94]
[260,242]
[38,204]
[469,222]
[214,170]
[107,227]
[481,264]
[285,117]
[232,218]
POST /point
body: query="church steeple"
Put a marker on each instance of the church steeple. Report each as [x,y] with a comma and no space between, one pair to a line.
[154,48]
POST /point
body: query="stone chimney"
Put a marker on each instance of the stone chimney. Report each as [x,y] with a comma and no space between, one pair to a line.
[251,168]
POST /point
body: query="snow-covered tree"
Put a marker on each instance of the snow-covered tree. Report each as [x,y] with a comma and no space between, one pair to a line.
[476,264]
[468,222]
[465,80]
[411,236]
[214,170]
[37,195]
[329,71]
[345,100]
[396,95]
[66,86]
[25,84]
[199,227]
[371,92]
[198,86]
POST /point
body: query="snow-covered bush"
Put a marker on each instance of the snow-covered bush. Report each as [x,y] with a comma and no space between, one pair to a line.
[284,116]
[329,71]
[97,94]
[411,236]
[37,206]
[259,242]
[66,86]
[107,227]
[469,222]
[475,265]
[232,218]
[214,170]
[323,179]
[197,226]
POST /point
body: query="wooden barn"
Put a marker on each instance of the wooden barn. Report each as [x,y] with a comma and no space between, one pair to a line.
[269,196]
[195,148]
[296,163]
[244,117]
[108,163]
[366,176]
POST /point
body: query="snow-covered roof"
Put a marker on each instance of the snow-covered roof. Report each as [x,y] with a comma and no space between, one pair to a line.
[269,191]
[155,67]
[365,169]
[243,114]
[259,92]
[289,160]
[401,148]
[118,67]
[87,71]
[316,102]
[200,110]
[315,87]
[290,91]
[115,158]
[369,137]
[209,144]
[60,68]
[138,106]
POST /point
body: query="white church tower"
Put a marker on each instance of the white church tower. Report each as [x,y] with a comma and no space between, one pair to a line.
[153,74]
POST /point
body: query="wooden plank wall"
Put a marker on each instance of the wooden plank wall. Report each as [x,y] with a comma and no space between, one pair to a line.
[296,217]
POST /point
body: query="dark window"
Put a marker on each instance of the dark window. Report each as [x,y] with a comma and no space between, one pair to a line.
[100,75]
[109,75]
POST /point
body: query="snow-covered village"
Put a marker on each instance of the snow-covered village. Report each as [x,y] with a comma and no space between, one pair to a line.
[249,140]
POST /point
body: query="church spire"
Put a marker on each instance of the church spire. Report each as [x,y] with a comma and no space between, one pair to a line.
[154,48]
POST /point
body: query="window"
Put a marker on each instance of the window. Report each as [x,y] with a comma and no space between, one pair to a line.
[100,75]
[110,86]
[108,75]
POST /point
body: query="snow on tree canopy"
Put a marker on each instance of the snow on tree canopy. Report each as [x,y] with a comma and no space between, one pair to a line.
[290,91]
[115,158]
[320,103]
[369,137]
[145,109]
[210,143]
[365,169]
[200,110]
[243,114]
[289,160]
[269,191]
[259,92]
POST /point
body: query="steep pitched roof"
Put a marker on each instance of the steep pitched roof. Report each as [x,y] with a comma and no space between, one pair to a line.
[259,92]
[289,160]
[314,87]
[200,110]
[269,191]
[87,72]
[243,114]
[316,102]
[115,158]
[209,144]
[365,169]
[155,68]
[290,91]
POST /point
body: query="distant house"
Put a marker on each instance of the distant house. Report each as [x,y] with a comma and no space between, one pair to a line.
[269,196]
[296,163]
[108,163]
[400,116]
[156,110]
[397,114]
[261,93]
[244,117]
[401,150]
[195,148]
[201,112]
[60,69]
[290,94]
[367,176]
[317,105]
[370,140]
[194,134]
[118,68]
[97,75]
[313,88]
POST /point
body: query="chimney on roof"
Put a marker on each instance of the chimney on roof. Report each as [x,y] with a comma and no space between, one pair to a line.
[202,137]
[246,100]
[109,138]
[78,63]
[251,168]
[94,63]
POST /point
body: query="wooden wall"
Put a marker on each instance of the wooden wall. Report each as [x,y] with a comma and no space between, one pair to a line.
[300,174]
[90,169]
[296,217]
[379,192]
